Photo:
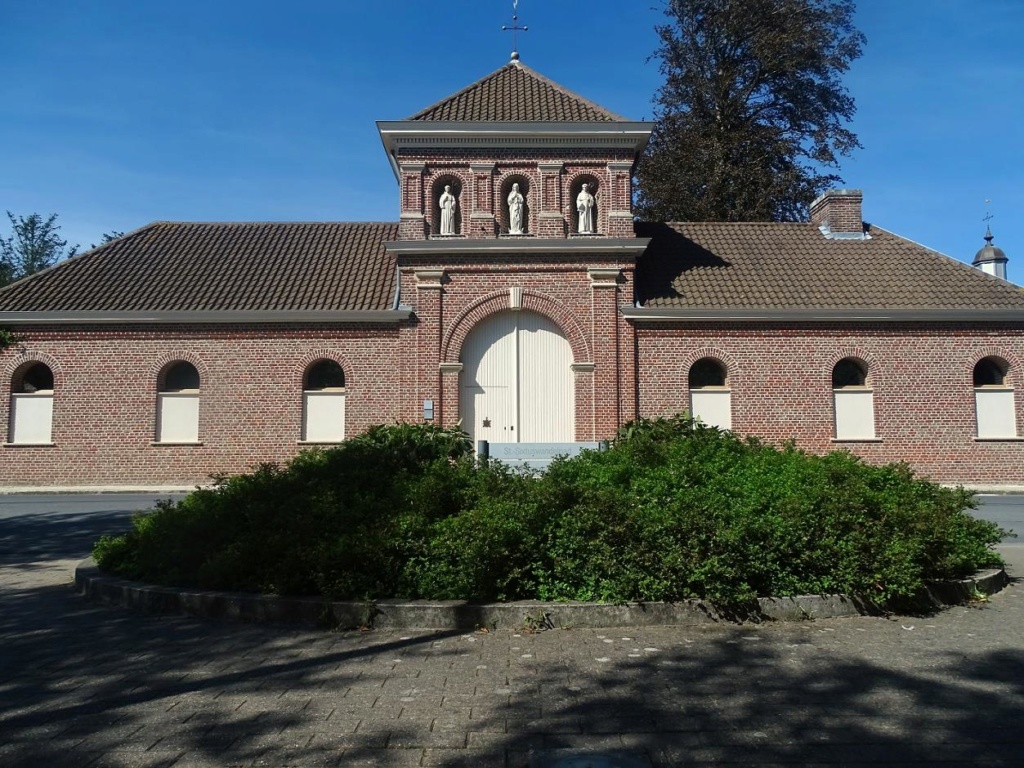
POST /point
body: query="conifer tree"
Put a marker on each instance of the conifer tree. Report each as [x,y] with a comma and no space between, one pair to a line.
[34,244]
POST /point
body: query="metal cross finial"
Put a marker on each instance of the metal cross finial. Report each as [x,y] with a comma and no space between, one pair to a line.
[515,29]
[988,227]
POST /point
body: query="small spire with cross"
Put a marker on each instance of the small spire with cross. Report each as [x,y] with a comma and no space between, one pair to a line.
[515,29]
[987,218]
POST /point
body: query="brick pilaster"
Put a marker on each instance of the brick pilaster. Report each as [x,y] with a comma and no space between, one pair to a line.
[429,293]
[604,283]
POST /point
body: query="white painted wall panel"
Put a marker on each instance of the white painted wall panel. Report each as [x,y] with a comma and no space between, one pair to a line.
[855,414]
[712,406]
[488,380]
[31,418]
[323,418]
[178,417]
[996,412]
[546,382]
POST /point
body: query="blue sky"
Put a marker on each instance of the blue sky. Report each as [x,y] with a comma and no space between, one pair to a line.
[121,112]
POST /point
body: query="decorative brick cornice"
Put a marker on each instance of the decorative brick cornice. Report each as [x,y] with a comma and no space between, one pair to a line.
[429,278]
[601,277]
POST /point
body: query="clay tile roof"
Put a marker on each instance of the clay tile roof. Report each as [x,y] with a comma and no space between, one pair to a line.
[172,266]
[793,266]
[516,94]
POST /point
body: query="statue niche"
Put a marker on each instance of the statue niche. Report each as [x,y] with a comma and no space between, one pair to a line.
[516,195]
[447,208]
[585,199]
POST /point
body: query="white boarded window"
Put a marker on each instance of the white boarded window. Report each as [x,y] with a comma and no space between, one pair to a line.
[32,406]
[854,401]
[710,397]
[177,419]
[323,403]
[994,404]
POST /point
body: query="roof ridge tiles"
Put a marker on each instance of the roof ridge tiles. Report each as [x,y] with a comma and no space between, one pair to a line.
[533,101]
[566,92]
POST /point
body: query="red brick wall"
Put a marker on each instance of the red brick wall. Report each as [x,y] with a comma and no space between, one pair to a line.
[552,180]
[104,416]
[557,286]
[780,379]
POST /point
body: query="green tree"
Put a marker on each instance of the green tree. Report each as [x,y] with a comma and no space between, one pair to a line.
[107,237]
[751,116]
[34,244]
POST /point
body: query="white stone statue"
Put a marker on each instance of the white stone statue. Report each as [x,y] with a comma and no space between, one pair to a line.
[585,208]
[447,203]
[515,211]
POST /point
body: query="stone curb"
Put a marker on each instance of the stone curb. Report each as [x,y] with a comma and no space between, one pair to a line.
[459,614]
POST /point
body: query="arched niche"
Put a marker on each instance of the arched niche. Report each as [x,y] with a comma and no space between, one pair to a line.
[506,211]
[446,184]
[585,205]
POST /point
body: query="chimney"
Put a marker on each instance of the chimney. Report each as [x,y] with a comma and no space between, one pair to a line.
[837,214]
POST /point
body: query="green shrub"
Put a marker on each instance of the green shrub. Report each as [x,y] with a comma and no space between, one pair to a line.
[673,510]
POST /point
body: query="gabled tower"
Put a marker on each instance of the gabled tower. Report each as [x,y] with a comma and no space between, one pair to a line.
[516,251]
[514,127]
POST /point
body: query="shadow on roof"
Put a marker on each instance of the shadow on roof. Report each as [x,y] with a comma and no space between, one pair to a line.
[670,255]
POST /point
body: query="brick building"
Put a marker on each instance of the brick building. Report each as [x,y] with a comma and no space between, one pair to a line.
[515,294]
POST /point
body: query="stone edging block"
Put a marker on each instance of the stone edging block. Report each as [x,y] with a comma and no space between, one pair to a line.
[460,614]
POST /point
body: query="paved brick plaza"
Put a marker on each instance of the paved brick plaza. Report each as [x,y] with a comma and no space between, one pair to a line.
[87,685]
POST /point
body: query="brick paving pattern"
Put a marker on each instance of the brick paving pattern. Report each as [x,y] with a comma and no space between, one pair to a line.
[88,685]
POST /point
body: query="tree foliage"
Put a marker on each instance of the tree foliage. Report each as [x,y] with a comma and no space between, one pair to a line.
[750,119]
[34,244]
[107,237]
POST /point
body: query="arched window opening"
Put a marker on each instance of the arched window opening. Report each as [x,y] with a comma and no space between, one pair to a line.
[38,378]
[854,401]
[849,373]
[31,412]
[323,403]
[710,400]
[325,374]
[990,372]
[180,377]
[707,372]
[994,402]
[177,418]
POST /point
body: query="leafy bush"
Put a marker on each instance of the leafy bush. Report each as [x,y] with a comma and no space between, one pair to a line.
[674,509]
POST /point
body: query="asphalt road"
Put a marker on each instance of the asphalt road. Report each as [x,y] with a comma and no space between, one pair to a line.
[1007,511]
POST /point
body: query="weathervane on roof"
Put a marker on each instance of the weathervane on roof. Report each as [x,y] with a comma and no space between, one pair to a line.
[988,215]
[515,29]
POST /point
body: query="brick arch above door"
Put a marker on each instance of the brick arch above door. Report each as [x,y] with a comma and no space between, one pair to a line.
[451,345]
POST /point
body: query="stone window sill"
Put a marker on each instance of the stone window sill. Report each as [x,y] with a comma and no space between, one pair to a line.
[319,442]
[158,444]
[30,445]
[999,439]
[856,439]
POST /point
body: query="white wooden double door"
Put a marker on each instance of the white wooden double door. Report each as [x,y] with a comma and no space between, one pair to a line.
[517,384]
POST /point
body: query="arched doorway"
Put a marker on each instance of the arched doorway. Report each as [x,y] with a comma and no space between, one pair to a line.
[517,383]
